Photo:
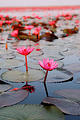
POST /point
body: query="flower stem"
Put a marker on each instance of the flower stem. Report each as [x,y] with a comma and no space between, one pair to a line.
[29,32]
[26,63]
[46,89]
[6,46]
[45,76]
[17,37]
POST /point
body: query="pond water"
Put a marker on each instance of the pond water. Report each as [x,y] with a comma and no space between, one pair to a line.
[66,50]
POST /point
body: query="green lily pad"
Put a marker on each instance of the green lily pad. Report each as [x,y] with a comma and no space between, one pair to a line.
[74,68]
[65,105]
[4,86]
[13,63]
[31,112]
[12,97]
[18,76]
[57,76]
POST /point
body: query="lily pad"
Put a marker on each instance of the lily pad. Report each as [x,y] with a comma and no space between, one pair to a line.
[65,105]
[72,94]
[4,51]
[13,63]
[31,112]
[74,68]
[18,76]
[8,56]
[36,53]
[57,76]
[12,97]
[4,86]
[34,65]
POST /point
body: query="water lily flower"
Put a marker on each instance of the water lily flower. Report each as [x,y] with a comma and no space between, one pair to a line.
[68,18]
[1,22]
[52,23]
[48,65]
[77,21]
[15,34]
[37,29]
[36,33]
[25,51]
[29,27]
[9,22]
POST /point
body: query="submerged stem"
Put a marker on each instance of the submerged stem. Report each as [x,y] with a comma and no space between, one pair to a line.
[26,62]
[45,76]
[46,89]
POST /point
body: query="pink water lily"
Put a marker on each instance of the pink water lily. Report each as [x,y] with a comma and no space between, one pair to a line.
[15,34]
[52,23]
[37,30]
[25,51]
[29,27]
[48,65]
[9,22]
[1,23]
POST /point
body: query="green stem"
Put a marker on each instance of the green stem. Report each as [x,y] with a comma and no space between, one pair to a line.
[26,62]
[45,76]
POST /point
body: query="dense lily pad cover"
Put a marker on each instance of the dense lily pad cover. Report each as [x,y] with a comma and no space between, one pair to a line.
[31,112]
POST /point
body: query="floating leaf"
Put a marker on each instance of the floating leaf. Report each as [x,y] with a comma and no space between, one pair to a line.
[71,31]
[72,94]
[34,65]
[4,86]
[31,112]
[11,63]
[18,76]
[12,97]
[4,51]
[36,53]
[57,76]
[65,105]
[8,56]
[74,68]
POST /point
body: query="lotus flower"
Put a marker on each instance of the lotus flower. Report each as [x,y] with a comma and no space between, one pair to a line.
[37,30]
[48,65]
[15,34]
[25,51]
[52,23]
[29,27]
[77,21]
[1,22]
[9,22]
